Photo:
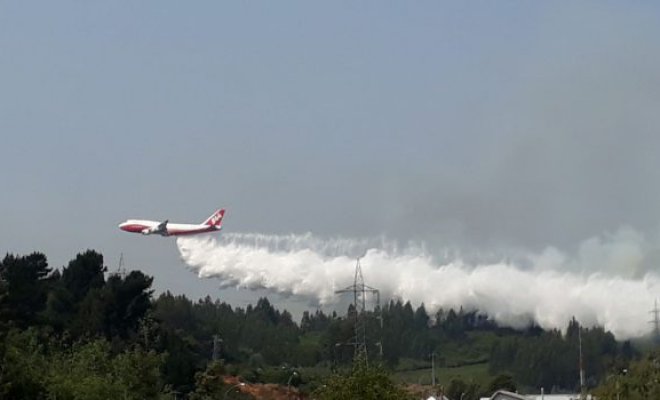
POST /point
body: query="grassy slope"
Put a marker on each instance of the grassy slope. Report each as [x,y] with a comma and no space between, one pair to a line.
[466,360]
[477,373]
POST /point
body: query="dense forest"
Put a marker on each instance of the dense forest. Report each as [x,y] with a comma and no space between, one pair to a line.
[80,333]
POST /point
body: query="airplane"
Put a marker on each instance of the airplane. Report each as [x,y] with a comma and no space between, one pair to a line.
[165,228]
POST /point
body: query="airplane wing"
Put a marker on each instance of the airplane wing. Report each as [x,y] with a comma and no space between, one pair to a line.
[162,228]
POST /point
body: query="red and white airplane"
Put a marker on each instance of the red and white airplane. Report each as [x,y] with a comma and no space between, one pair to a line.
[145,227]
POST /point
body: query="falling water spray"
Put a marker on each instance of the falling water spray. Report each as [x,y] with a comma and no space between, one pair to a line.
[548,290]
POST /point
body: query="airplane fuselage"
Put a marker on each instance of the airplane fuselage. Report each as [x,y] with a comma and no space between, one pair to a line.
[148,227]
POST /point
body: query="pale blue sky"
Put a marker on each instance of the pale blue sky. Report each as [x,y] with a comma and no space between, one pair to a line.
[482,124]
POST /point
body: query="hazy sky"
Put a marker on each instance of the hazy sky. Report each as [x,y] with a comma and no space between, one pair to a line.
[477,124]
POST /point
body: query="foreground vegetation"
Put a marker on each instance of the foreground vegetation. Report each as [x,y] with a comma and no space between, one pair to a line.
[80,333]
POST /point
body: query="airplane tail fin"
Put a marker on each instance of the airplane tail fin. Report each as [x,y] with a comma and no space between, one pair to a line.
[215,219]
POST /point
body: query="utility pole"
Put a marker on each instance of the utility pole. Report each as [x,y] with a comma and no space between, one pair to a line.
[433,369]
[217,346]
[582,385]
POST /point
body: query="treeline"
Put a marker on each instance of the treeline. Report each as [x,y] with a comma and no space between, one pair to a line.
[80,332]
[558,356]
[74,333]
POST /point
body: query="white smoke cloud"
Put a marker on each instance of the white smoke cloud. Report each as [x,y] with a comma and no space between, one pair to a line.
[599,285]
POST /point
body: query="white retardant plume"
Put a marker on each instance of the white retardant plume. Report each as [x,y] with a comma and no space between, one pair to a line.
[551,290]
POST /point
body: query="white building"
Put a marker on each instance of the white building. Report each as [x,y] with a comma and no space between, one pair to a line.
[504,395]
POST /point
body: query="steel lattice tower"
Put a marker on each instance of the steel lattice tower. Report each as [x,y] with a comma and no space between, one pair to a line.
[360,291]
[656,323]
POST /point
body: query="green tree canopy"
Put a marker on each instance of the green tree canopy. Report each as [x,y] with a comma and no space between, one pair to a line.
[83,273]
[362,382]
[640,381]
[25,287]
